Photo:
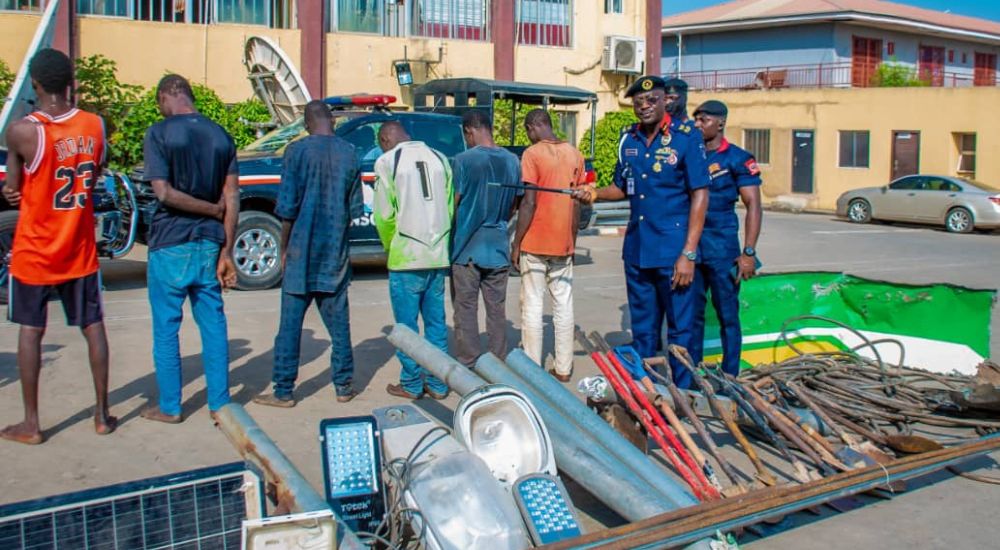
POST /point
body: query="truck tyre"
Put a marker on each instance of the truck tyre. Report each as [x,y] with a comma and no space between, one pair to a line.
[257,251]
[8,221]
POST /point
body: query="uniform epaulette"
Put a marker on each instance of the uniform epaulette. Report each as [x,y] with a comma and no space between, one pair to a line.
[684,127]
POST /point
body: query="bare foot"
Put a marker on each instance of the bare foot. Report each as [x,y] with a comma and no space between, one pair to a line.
[22,433]
[105,425]
[153,412]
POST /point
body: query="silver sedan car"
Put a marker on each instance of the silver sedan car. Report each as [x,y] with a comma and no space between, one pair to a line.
[958,204]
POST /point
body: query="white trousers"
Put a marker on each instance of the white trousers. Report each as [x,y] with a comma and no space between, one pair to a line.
[555,274]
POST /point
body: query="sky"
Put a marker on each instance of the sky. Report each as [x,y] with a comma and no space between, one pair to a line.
[985,9]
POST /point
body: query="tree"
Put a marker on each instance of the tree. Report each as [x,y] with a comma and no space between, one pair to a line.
[7,77]
[606,145]
[892,74]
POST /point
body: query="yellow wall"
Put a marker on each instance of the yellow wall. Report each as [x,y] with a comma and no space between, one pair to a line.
[18,30]
[937,113]
[206,54]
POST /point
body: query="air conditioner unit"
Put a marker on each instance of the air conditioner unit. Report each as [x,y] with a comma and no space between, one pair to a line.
[624,54]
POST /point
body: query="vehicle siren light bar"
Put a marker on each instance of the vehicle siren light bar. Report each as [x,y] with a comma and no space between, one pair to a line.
[360,100]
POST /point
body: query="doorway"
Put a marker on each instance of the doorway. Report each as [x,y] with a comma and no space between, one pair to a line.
[803,153]
[905,153]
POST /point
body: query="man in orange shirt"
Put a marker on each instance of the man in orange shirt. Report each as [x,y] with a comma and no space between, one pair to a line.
[55,159]
[545,239]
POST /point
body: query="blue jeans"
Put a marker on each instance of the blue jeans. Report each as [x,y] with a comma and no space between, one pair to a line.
[716,276]
[172,275]
[335,311]
[650,301]
[420,293]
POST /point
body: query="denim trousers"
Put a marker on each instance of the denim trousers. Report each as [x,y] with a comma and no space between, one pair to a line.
[173,274]
[420,293]
[335,312]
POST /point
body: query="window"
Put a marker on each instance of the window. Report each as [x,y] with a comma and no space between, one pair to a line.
[758,143]
[545,22]
[461,19]
[172,11]
[22,5]
[966,155]
[358,15]
[907,184]
[985,70]
[932,65]
[247,12]
[117,8]
[614,6]
[854,149]
[865,59]
[566,121]
[940,184]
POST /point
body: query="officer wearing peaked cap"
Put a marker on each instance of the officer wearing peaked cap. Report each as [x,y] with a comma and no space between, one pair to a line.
[661,169]
[735,176]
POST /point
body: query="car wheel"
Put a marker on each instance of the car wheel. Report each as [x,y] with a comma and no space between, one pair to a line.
[959,220]
[8,221]
[859,211]
[257,251]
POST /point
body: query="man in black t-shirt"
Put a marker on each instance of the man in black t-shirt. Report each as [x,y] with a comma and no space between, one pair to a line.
[191,162]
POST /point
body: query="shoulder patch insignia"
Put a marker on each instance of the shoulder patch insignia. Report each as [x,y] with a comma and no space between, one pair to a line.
[684,127]
[714,167]
[752,167]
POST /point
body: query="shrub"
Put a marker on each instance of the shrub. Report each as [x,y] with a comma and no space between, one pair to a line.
[7,77]
[606,146]
[99,90]
[126,142]
[896,75]
[502,109]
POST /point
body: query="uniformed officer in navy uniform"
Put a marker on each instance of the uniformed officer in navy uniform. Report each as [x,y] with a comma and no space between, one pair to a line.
[662,170]
[677,99]
[724,264]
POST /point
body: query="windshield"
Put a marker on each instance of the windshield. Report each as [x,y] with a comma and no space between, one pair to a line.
[276,140]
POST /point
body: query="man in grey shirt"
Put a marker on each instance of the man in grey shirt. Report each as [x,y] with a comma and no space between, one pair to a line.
[480,255]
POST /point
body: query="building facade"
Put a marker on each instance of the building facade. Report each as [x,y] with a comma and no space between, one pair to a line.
[814,144]
[350,46]
[761,43]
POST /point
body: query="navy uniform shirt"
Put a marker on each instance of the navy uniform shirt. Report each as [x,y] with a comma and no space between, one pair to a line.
[320,191]
[658,179]
[730,168]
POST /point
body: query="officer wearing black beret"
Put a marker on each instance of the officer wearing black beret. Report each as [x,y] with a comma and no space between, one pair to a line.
[661,169]
[724,263]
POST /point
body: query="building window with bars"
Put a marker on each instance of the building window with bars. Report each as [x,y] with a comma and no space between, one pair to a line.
[545,23]
[966,155]
[276,14]
[614,6]
[22,5]
[111,8]
[459,19]
[172,11]
[854,149]
[758,143]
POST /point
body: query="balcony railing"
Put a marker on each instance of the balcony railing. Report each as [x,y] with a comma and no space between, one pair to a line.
[823,75]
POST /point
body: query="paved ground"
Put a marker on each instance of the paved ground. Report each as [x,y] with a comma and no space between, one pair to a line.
[950,513]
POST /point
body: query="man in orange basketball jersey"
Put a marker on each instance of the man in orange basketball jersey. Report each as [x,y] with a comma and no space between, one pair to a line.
[55,159]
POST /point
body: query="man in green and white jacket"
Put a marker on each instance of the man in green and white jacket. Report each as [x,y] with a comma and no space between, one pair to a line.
[412,210]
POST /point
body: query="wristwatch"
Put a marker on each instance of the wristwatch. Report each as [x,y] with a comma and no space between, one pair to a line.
[749,251]
[691,255]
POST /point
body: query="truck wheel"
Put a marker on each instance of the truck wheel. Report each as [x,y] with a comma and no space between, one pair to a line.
[8,221]
[257,251]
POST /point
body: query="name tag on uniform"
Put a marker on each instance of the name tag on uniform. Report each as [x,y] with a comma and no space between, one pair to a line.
[631,152]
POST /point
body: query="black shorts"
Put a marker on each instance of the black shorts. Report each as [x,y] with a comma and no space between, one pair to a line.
[81,299]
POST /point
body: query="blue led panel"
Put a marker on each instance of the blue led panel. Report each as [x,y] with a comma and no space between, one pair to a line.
[546,508]
[352,470]
[198,509]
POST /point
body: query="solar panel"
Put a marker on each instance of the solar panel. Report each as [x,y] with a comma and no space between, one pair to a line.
[201,509]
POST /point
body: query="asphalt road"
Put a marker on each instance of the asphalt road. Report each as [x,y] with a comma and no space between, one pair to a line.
[952,513]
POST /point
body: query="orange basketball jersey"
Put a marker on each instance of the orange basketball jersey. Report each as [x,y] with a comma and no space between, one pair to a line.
[54,241]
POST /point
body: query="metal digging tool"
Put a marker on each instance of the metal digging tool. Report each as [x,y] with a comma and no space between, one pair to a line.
[763,474]
[680,401]
[696,487]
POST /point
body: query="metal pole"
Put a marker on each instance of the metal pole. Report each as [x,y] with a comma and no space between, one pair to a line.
[577,453]
[531,375]
[292,491]
[580,456]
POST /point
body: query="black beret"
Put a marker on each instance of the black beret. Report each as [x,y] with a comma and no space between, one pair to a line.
[675,86]
[645,84]
[712,108]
